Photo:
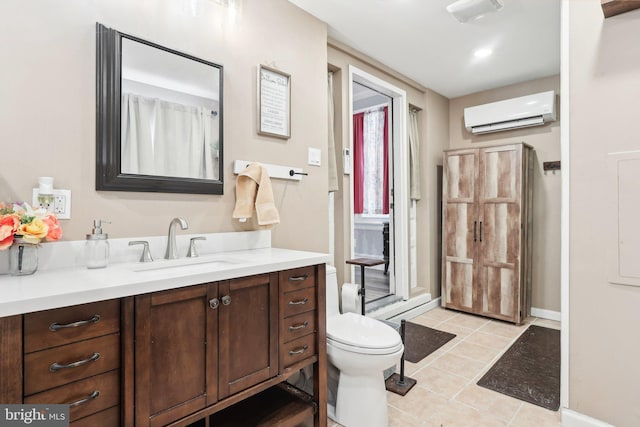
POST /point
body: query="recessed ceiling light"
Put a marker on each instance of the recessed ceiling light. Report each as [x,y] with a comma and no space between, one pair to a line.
[482,53]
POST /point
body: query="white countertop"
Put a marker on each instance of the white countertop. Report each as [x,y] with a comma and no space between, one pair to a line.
[63,287]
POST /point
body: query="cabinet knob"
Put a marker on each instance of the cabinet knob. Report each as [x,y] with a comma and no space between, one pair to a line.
[226,300]
[214,303]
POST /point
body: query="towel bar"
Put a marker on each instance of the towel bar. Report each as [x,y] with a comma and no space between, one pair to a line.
[274,171]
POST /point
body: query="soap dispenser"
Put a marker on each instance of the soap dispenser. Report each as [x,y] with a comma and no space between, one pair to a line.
[97,246]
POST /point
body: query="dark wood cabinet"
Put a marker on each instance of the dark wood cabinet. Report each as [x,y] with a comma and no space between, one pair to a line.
[201,344]
[486,240]
[248,332]
[175,357]
[175,353]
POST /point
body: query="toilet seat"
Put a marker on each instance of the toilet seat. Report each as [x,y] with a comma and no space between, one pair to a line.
[359,334]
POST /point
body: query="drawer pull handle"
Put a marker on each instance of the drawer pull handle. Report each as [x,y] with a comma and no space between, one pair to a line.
[226,300]
[299,302]
[298,326]
[87,399]
[299,278]
[298,350]
[55,326]
[55,367]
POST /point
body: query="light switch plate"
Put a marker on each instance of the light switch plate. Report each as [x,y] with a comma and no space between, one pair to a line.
[315,156]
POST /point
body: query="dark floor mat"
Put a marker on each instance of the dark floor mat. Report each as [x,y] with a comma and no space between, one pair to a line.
[530,369]
[420,341]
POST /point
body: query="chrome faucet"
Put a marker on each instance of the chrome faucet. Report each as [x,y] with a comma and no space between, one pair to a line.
[172,252]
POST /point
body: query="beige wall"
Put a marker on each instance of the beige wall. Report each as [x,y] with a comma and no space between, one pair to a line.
[433,120]
[47,111]
[604,349]
[547,188]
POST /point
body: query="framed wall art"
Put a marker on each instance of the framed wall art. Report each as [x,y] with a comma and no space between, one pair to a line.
[274,103]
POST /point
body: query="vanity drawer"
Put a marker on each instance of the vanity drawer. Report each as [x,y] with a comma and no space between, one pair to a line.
[51,328]
[90,395]
[297,278]
[85,358]
[298,302]
[297,350]
[107,418]
[294,327]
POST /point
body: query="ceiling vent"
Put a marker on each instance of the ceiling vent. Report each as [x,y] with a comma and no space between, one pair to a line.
[525,111]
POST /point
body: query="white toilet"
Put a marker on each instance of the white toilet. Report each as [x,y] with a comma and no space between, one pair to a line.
[360,348]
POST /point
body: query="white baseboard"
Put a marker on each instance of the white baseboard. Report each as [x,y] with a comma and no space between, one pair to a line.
[576,419]
[416,310]
[403,309]
[546,314]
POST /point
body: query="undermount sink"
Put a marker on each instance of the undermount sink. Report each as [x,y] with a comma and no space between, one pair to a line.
[211,261]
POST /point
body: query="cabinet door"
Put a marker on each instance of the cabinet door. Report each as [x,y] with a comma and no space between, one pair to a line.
[460,229]
[500,235]
[175,359]
[248,334]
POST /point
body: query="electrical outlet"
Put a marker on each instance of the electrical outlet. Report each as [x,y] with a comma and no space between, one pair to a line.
[61,202]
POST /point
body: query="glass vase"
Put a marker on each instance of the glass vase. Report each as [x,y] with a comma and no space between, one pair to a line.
[23,258]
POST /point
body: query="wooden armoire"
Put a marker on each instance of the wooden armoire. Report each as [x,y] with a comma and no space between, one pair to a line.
[486,230]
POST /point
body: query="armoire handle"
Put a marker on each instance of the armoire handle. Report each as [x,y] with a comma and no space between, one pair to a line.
[481,231]
[475,226]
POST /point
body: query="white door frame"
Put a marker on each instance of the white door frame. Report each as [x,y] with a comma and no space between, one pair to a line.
[400,175]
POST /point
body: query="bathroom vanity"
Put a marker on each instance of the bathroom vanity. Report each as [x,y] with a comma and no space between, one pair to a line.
[209,342]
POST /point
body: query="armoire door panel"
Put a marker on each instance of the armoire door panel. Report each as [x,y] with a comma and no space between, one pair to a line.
[459,283]
[500,237]
[500,173]
[499,292]
[460,177]
[460,230]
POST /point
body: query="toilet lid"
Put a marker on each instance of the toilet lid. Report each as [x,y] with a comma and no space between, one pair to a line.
[360,331]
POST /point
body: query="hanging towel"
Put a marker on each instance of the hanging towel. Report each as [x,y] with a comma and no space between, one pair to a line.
[253,186]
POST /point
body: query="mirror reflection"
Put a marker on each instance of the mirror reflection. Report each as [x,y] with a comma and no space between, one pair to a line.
[169,114]
[159,118]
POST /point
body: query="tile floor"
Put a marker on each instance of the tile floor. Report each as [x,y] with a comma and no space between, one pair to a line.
[446,394]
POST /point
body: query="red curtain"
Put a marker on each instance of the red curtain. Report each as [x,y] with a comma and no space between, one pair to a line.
[358,162]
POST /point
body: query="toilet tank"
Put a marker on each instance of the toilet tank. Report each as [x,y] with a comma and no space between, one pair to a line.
[333,304]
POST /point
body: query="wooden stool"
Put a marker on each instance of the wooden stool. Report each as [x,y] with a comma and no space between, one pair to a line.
[364,262]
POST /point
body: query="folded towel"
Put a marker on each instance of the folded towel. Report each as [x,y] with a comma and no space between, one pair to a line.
[253,187]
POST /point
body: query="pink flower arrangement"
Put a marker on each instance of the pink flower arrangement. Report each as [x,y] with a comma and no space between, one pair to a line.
[20,220]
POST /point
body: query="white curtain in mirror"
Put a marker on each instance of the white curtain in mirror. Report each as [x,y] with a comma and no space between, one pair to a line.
[168,139]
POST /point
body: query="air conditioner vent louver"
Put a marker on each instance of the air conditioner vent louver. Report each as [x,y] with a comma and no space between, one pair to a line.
[525,111]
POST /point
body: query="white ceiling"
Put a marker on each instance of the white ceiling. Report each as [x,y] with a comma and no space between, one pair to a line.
[419,39]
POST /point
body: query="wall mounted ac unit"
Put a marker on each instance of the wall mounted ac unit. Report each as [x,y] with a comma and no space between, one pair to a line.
[525,111]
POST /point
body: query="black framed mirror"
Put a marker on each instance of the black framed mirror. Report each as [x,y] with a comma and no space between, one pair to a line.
[158,118]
